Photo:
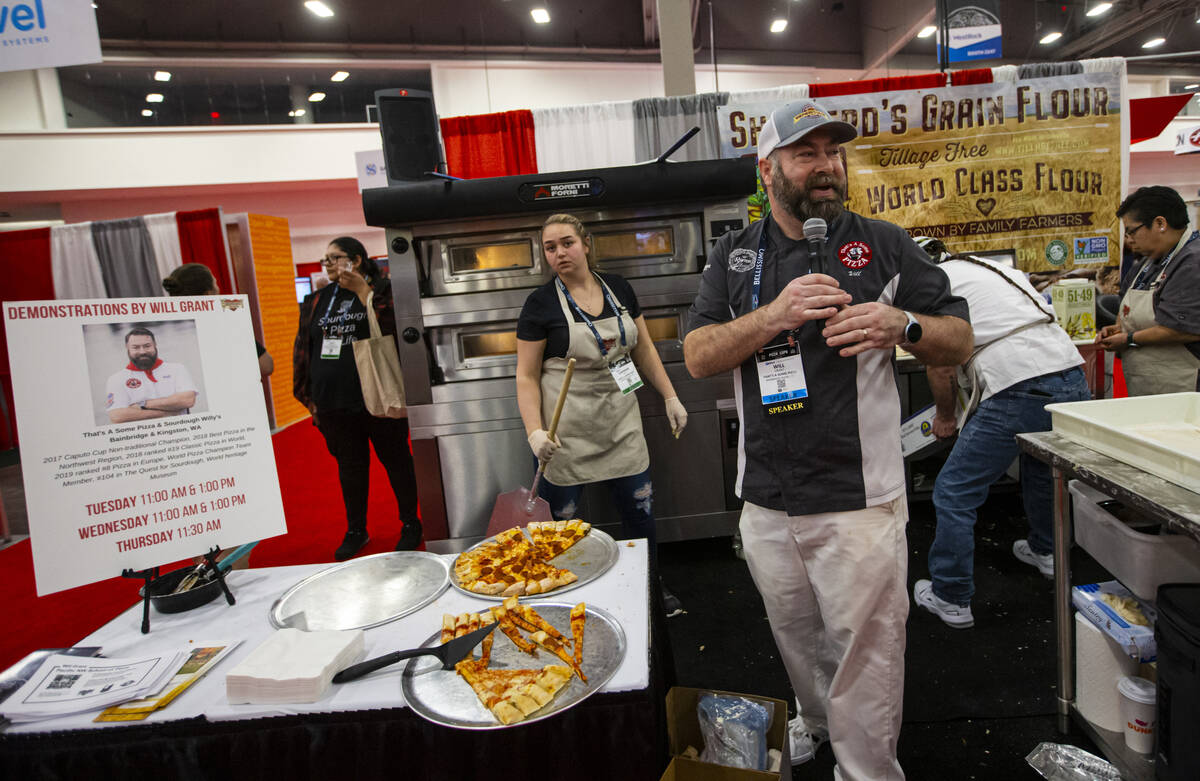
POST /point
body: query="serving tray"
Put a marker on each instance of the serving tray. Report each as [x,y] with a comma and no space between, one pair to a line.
[589,558]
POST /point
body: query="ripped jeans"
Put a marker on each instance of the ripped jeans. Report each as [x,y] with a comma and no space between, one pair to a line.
[632,496]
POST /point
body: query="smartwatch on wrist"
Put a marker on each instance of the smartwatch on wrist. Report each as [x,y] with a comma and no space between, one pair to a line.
[143,404]
[1129,339]
[912,331]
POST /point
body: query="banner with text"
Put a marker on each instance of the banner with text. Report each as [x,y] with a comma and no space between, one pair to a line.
[1031,167]
[48,34]
[144,435]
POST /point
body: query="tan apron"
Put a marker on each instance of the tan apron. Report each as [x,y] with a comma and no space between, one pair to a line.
[1152,369]
[600,428]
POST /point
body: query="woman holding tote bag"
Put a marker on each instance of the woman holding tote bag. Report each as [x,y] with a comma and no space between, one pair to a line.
[326,380]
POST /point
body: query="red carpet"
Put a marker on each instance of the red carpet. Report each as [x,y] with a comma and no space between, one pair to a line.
[316,519]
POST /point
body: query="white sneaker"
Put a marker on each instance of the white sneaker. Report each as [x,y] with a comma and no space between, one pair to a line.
[1043,561]
[802,744]
[952,615]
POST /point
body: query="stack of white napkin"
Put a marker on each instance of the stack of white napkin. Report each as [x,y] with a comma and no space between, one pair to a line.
[293,666]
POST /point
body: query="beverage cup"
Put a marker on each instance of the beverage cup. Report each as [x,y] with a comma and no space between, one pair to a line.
[1137,713]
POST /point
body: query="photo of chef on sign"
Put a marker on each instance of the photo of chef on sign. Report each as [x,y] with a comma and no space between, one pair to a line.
[142,372]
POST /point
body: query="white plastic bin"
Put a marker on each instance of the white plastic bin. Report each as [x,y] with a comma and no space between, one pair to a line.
[1140,561]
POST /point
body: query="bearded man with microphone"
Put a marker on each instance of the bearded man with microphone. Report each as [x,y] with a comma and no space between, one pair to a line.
[807,320]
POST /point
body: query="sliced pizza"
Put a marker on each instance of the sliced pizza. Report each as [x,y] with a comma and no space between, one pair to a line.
[555,646]
[511,695]
[448,622]
[578,619]
[531,621]
[485,653]
[509,628]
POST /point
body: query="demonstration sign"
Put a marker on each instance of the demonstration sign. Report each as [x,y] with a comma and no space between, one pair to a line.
[144,435]
[1033,165]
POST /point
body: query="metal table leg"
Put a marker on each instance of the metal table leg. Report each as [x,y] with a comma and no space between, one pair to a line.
[1063,625]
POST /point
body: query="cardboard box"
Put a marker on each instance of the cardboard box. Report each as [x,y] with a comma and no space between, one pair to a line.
[683,730]
[1075,307]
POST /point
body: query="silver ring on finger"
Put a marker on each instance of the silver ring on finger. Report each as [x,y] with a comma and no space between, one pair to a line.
[865,333]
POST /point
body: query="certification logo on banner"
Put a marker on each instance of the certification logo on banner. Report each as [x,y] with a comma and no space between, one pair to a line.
[144,433]
[974,30]
[1093,249]
[47,34]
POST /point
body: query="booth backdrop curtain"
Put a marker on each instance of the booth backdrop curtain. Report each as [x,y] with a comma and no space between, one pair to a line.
[74,264]
[126,258]
[596,135]
[921,81]
[25,263]
[971,76]
[164,237]
[659,122]
[202,240]
[779,95]
[501,144]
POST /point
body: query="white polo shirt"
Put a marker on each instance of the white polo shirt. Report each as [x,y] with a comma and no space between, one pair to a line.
[997,311]
[130,387]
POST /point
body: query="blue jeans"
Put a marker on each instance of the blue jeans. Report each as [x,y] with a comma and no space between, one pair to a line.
[632,496]
[985,447]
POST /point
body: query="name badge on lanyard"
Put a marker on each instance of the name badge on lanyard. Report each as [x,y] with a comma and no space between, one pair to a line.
[781,380]
[623,369]
[331,346]
[626,375]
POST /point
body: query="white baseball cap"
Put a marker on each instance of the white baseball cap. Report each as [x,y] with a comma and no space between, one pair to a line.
[792,122]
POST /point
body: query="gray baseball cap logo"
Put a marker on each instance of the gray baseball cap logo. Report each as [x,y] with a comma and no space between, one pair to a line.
[792,122]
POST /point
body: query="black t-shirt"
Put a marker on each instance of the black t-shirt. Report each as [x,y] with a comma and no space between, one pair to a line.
[334,383]
[542,316]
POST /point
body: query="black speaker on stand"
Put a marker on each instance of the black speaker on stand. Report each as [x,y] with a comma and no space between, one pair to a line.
[412,138]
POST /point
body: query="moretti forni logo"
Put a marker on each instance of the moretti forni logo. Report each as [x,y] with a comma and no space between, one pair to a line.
[553,191]
[22,18]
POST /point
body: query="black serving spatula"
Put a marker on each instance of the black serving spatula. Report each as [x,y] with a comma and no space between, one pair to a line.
[449,653]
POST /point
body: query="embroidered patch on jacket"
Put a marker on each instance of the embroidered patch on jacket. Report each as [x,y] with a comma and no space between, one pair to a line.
[133,382]
[741,260]
[855,254]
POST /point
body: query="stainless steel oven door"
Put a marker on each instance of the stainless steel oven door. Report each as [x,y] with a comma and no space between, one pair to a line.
[495,261]
[650,247]
[475,352]
[666,326]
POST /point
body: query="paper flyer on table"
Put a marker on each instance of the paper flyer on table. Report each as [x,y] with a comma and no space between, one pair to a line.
[69,684]
[199,661]
[144,433]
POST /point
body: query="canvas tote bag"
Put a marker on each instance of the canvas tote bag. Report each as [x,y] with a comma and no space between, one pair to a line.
[379,370]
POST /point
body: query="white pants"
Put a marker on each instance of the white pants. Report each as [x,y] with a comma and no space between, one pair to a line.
[835,589]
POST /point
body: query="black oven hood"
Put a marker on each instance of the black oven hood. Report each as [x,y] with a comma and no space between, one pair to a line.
[630,185]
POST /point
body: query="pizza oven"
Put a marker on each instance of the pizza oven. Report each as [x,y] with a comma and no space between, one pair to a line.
[463,257]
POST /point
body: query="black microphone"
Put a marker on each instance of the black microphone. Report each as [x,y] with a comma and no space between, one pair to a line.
[815,230]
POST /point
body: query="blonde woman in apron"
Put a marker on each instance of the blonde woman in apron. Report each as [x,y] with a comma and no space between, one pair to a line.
[1157,333]
[595,319]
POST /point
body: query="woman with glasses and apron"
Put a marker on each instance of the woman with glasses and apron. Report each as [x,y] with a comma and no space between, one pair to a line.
[1157,333]
[595,319]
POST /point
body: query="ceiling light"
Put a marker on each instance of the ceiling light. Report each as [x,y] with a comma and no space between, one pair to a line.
[1150,44]
[540,15]
[162,75]
[319,8]
[1192,86]
[147,112]
[316,97]
[779,25]
[927,31]
[154,97]
[1099,8]
[340,76]
[297,112]
[1051,37]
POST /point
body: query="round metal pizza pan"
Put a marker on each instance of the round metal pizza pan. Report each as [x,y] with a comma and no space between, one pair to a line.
[589,558]
[444,697]
[362,593]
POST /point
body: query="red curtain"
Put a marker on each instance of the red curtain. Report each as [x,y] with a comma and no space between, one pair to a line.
[971,76]
[490,144]
[923,81]
[202,239]
[25,261]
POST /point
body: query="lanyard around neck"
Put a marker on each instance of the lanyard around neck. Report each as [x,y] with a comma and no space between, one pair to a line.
[587,320]
[1162,270]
